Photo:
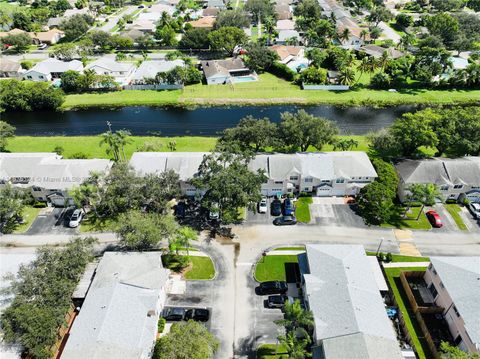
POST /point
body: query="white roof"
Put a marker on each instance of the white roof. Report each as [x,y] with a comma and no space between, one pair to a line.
[284,35]
[110,65]
[350,316]
[120,314]
[48,170]
[461,278]
[285,25]
[53,65]
[149,69]
[377,273]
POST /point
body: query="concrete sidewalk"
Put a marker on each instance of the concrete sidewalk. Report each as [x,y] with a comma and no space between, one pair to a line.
[24,240]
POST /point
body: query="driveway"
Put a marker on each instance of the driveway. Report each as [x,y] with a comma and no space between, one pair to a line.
[52,221]
[331,211]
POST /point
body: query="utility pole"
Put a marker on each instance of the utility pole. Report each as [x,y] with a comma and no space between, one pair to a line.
[378,249]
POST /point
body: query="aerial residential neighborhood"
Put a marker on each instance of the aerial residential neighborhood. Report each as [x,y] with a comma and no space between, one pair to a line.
[229,179]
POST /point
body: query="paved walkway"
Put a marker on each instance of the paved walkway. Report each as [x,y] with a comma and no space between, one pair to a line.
[405,264]
[405,243]
[284,253]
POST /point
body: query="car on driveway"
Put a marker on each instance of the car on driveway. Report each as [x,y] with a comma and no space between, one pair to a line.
[174,314]
[273,287]
[278,301]
[285,221]
[276,207]
[197,314]
[288,209]
[262,205]
[434,219]
[475,209]
[75,218]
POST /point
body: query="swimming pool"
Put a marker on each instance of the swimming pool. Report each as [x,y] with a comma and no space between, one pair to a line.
[247,78]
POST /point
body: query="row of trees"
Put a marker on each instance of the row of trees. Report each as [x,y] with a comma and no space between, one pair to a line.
[18,95]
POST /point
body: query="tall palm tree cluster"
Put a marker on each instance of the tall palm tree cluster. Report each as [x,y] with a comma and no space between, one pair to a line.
[116,142]
[298,324]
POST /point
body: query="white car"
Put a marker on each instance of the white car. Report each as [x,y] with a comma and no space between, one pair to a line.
[262,205]
[76,218]
[475,209]
[214,212]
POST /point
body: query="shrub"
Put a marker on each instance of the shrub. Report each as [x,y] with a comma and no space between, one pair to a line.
[78,156]
[282,71]
[59,150]
[388,257]
[26,64]
[175,262]
[161,325]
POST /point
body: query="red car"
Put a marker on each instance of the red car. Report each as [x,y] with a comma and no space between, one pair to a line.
[434,219]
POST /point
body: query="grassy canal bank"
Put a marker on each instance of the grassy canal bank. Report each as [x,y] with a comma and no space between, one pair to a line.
[90,145]
[270,90]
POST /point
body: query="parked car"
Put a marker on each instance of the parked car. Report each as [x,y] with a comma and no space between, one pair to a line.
[198,315]
[273,287]
[214,212]
[475,209]
[262,205]
[75,218]
[285,221]
[288,208]
[180,209]
[276,207]
[42,46]
[434,219]
[278,301]
[174,314]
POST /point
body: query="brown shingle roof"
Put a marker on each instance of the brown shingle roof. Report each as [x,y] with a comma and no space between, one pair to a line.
[205,22]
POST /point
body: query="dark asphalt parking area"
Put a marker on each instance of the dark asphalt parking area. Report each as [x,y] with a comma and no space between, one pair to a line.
[55,222]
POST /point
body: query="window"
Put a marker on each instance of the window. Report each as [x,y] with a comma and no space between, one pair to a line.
[41,77]
[293,178]
[36,189]
[278,182]
[306,189]
[444,188]
[458,186]
[324,181]
[456,311]
[340,180]
[458,340]
[433,290]
[29,77]
[308,179]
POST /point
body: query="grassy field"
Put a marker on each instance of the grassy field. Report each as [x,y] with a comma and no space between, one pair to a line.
[270,90]
[202,269]
[273,267]
[454,210]
[393,277]
[90,145]
[272,351]
[410,220]
[302,210]
[29,214]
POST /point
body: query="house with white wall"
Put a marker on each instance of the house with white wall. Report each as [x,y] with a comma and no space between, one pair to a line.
[455,286]
[51,69]
[456,178]
[48,175]
[120,71]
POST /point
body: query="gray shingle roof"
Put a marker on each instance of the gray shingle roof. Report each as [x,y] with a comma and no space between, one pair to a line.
[119,316]
[149,69]
[9,66]
[222,67]
[53,65]
[350,316]
[461,278]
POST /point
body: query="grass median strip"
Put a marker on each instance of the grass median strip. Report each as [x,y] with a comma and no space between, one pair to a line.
[454,210]
[202,268]
[273,267]
[302,209]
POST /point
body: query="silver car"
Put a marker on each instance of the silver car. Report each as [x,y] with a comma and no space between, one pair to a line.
[475,209]
[76,218]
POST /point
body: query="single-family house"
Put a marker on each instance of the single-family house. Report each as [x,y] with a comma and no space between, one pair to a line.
[120,71]
[285,25]
[205,22]
[10,69]
[350,316]
[145,26]
[288,37]
[292,56]
[377,51]
[454,285]
[149,69]
[210,11]
[119,316]
[133,34]
[49,37]
[219,4]
[72,12]
[51,69]
[48,175]
[218,72]
[355,36]
[54,22]
[456,178]
[159,9]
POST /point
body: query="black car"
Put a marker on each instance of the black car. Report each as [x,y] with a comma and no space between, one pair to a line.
[285,221]
[180,209]
[273,287]
[174,314]
[278,301]
[276,207]
[197,314]
[288,209]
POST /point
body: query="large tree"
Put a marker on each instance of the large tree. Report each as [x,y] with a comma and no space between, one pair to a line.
[226,39]
[7,131]
[185,340]
[12,201]
[20,42]
[76,26]
[259,57]
[260,9]
[232,18]
[228,183]
[301,130]
[196,38]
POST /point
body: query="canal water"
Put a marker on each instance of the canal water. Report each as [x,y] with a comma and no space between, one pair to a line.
[202,121]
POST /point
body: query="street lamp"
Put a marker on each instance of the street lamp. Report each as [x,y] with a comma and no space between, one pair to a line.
[378,249]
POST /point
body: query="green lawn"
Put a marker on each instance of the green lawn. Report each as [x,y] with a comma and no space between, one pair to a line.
[87,225]
[300,248]
[270,90]
[202,269]
[272,351]
[273,267]
[302,210]
[393,277]
[400,258]
[410,221]
[454,210]
[29,214]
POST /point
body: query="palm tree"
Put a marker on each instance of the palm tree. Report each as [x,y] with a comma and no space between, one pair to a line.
[111,140]
[344,35]
[296,319]
[405,41]
[184,236]
[363,66]
[295,347]
[384,60]
[346,76]
[122,140]
[363,34]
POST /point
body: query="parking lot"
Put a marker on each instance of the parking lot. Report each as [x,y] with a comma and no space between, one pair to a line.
[449,224]
[53,221]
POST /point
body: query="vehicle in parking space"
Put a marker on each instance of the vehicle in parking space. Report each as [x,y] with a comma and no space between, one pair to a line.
[276,207]
[42,46]
[75,218]
[214,212]
[197,314]
[278,301]
[285,221]
[434,219]
[288,209]
[262,205]
[174,314]
[180,209]
[475,209]
[273,287]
